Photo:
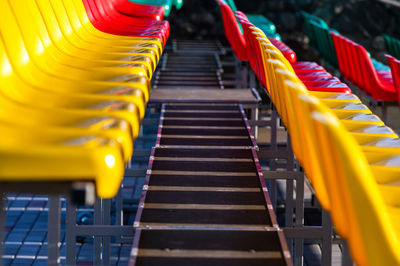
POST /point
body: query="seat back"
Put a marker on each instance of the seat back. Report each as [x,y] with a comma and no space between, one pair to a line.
[324,43]
[392,45]
[395,69]
[356,66]
[232,5]
[166,4]
[371,234]
[233,31]
[309,29]
[293,98]
[13,41]
[251,43]
[126,7]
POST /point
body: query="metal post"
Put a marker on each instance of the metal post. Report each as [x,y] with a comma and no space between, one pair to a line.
[70,233]
[119,211]
[244,72]
[326,239]
[346,257]
[254,117]
[299,243]
[106,239]
[54,223]
[2,224]
[97,239]
[289,194]
[252,79]
[274,147]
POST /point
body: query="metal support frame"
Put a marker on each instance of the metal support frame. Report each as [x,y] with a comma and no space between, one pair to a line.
[254,117]
[106,243]
[274,147]
[244,74]
[299,214]
[54,223]
[2,225]
[326,239]
[294,229]
[119,217]
[70,233]
[101,230]
[97,239]
[346,257]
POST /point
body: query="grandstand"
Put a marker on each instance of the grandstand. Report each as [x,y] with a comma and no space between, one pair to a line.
[126,142]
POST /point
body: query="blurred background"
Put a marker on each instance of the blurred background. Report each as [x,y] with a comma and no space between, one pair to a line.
[363,21]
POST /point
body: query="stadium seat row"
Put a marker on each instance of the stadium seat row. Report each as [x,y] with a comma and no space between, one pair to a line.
[72,96]
[318,33]
[349,155]
[353,60]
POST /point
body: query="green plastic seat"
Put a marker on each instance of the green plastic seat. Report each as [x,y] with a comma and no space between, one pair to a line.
[167,4]
[177,3]
[309,29]
[257,19]
[320,38]
[309,17]
[260,21]
[392,45]
[323,41]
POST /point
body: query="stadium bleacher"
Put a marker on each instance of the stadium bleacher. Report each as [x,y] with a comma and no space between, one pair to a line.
[81,82]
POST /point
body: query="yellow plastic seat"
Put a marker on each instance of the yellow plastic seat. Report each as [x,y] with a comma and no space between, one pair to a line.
[68,25]
[72,16]
[86,158]
[36,77]
[64,122]
[384,165]
[104,105]
[373,210]
[339,142]
[79,9]
[37,50]
[345,105]
[293,117]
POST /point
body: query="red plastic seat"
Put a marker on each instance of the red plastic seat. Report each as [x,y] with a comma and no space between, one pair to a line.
[106,18]
[116,23]
[319,80]
[289,54]
[129,8]
[232,31]
[395,68]
[356,66]
[314,77]
[338,87]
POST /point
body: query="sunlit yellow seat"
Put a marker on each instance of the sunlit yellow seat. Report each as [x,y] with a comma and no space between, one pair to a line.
[39,53]
[353,114]
[303,142]
[372,210]
[35,154]
[75,25]
[124,106]
[48,60]
[73,30]
[34,115]
[349,156]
